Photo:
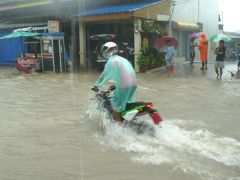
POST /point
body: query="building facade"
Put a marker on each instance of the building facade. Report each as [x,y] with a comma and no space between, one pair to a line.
[125,18]
[194,16]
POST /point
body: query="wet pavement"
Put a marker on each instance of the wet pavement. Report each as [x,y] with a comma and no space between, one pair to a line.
[44,132]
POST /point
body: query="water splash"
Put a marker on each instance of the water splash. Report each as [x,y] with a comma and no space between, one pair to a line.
[172,145]
[201,142]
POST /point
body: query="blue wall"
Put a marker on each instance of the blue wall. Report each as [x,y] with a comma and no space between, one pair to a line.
[10,49]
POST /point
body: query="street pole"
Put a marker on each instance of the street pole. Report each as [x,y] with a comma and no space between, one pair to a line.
[198,10]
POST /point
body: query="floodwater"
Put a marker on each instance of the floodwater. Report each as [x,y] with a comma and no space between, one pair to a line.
[45,133]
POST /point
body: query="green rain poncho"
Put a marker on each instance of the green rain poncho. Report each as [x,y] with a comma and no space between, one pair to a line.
[122,73]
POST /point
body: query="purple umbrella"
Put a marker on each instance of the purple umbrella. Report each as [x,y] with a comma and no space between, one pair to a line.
[194,35]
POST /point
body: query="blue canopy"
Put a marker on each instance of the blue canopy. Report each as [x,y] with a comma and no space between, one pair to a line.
[20,34]
[10,49]
[126,8]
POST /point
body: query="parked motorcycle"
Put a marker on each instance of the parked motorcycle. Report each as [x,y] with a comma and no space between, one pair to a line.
[132,112]
[26,63]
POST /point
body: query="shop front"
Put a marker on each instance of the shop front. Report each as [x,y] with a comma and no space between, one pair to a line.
[124,22]
[181,31]
[98,34]
[53,52]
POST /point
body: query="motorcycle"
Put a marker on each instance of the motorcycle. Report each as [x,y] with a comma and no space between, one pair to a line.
[26,63]
[131,113]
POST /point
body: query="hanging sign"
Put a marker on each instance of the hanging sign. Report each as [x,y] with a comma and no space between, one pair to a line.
[53,26]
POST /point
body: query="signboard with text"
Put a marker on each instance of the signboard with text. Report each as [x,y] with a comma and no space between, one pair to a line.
[53,26]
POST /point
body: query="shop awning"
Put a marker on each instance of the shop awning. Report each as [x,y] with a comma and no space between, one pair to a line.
[20,34]
[22,25]
[182,26]
[126,8]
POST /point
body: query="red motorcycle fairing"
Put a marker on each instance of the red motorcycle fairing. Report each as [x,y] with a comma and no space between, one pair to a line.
[144,107]
[25,64]
[156,117]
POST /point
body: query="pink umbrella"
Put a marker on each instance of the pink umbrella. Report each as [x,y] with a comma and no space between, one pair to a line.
[162,41]
[194,35]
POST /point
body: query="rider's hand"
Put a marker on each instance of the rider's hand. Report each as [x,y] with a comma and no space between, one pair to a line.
[95,88]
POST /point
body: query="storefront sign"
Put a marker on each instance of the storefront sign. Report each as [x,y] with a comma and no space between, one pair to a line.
[53,26]
[181,26]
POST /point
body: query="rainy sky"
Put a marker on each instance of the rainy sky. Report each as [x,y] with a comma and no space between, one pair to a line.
[230,11]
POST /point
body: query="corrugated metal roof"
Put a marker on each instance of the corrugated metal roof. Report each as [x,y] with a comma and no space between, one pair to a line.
[126,8]
[22,25]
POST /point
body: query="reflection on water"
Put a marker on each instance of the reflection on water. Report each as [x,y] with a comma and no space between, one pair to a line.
[45,133]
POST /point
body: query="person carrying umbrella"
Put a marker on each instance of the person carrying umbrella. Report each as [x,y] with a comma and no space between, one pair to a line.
[203,48]
[192,46]
[169,51]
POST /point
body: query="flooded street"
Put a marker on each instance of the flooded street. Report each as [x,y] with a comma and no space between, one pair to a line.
[44,132]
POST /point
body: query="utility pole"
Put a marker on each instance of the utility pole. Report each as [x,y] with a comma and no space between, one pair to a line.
[198,10]
[222,18]
[173,4]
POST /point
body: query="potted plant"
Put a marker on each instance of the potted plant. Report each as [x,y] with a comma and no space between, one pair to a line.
[143,62]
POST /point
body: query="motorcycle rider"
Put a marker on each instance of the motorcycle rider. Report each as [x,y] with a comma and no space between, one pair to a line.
[122,73]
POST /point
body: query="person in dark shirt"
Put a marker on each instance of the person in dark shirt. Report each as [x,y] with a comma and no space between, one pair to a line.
[220,55]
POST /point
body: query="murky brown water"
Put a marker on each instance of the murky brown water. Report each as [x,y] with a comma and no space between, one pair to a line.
[44,133]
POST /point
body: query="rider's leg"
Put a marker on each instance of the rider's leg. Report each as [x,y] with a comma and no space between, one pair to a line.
[116,105]
[117,116]
[119,100]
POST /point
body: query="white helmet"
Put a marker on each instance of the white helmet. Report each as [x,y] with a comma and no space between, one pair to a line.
[108,49]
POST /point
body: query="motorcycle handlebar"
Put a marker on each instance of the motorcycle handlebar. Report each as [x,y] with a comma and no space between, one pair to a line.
[95,89]
[111,88]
